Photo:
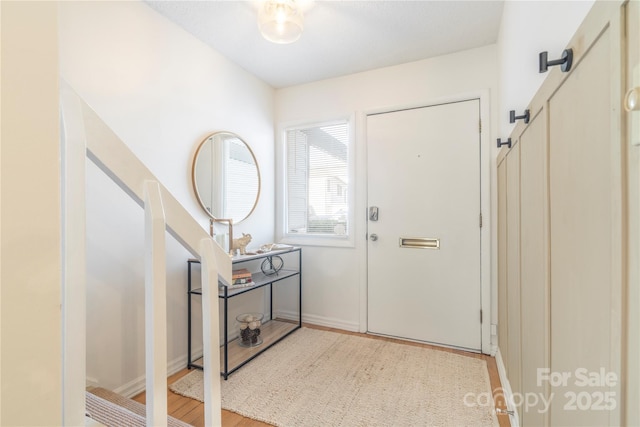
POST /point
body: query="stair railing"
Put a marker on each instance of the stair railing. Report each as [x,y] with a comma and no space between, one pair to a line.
[85,132]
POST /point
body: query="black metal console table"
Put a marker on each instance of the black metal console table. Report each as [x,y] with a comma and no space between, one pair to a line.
[273,330]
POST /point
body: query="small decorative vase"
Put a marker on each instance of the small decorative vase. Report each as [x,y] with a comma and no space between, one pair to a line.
[249,325]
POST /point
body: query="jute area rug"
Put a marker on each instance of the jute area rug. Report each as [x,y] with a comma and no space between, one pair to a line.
[319,379]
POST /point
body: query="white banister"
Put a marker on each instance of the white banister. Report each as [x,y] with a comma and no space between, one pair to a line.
[73,153]
[210,333]
[162,213]
[155,291]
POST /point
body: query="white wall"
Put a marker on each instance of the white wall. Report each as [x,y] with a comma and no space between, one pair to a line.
[31,334]
[161,91]
[334,277]
[528,28]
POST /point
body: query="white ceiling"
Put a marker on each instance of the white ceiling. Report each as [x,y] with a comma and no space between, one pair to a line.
[340,37]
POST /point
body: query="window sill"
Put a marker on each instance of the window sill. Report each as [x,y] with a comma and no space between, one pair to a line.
[325,241]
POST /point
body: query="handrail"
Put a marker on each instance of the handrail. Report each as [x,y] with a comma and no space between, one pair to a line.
[117,161]
[110,154]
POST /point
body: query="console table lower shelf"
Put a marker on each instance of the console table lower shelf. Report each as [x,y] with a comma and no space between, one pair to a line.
[272,332]
[233,355]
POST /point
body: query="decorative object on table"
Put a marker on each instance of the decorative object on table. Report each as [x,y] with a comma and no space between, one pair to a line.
[266,248]
[249,326]
[241,276]
[271,265]
[241,243]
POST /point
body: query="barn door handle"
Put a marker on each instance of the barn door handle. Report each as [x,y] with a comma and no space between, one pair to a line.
[501,142]
[513,117]
[565,61]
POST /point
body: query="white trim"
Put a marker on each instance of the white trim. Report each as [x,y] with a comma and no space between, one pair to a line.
[155,307]
[137,385]
[486,168]
[210,333]
[92,382]
[73,154]
[329,322]
[506,390]
[362,187]
[131,388]
[282,236]
[483,96]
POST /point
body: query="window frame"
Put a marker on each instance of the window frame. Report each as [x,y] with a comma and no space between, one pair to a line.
[304,239]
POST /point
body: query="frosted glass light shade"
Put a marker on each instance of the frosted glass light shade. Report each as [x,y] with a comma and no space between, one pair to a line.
[280,21]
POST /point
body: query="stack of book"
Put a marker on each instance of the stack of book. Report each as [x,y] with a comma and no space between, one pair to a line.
[241,277]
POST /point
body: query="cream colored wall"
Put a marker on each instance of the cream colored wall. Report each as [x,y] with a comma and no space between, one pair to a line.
[624,307]
[31,333]
[633,297]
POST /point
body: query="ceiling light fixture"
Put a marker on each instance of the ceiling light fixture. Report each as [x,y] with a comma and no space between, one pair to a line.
[280,21]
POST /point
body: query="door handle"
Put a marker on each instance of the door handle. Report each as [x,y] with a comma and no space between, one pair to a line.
[373,237]
[373,213]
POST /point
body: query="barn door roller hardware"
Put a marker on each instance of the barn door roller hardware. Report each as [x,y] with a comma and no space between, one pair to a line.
[501,143]
[565,61]
[513,117]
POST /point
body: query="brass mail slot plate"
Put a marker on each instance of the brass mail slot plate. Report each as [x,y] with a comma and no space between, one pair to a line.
[419,243]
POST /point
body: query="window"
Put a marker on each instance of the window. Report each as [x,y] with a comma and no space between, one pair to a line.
[318,169]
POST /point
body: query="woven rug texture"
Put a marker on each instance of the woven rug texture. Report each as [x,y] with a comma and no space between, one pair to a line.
[319,378]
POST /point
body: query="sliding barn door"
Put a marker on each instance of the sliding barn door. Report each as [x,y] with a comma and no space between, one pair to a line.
[563,274]
[534,269]
[585,162]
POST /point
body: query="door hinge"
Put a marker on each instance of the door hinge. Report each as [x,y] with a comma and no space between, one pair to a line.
[480,220]
[480,316]
[480,125]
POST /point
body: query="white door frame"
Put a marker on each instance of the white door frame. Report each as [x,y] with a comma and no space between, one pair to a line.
[485,204]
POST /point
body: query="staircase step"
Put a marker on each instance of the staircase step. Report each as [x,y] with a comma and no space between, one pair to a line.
[114,410]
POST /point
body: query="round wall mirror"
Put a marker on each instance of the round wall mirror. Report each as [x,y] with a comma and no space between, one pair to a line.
[225,176]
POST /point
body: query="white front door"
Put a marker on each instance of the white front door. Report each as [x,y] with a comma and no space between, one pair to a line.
[424,266]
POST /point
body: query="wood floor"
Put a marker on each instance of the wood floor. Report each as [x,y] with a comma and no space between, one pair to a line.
[192,412]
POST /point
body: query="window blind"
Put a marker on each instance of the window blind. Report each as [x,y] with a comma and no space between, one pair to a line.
[318,179]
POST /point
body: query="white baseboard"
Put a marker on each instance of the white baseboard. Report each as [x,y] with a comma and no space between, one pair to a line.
[138,385]
[91,382]
[328,322]
[132,388]
[493,350]
[506,390]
